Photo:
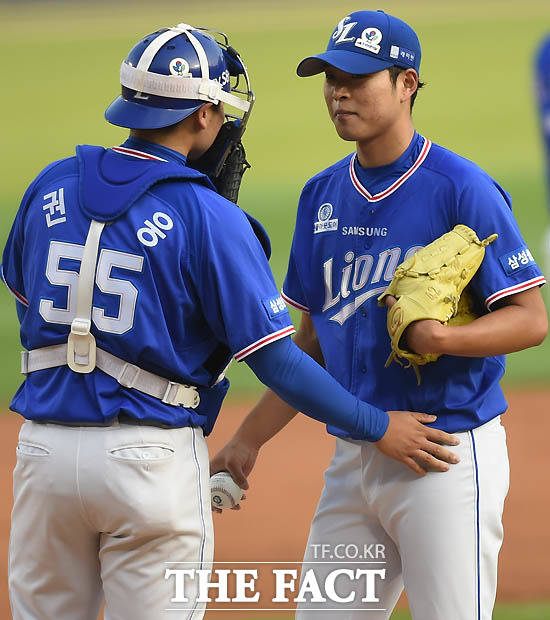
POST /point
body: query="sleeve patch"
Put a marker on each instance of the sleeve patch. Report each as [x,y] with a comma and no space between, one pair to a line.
[275,306]
[516,261]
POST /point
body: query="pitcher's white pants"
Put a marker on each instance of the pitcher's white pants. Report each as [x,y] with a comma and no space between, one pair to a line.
[99,511]
[441,533]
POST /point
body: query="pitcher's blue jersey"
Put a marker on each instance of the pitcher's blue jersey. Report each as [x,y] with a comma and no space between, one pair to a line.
[182,283]
[354,226]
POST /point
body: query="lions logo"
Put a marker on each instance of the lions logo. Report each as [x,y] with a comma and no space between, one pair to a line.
[343,29]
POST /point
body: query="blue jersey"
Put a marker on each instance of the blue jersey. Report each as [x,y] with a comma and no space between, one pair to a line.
[354,226]
[182,282]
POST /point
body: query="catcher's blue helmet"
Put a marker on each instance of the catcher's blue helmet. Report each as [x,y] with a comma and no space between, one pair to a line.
[169,74]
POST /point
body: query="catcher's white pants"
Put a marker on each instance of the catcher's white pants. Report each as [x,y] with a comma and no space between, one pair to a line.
[98,512]
[441,533]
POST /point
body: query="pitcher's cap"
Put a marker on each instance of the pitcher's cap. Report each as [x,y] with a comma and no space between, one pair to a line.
[366,42]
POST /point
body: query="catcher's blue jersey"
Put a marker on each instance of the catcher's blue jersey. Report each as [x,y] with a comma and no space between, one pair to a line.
[354,226]
[182,283]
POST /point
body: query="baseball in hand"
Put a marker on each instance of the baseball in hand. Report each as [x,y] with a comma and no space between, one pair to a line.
[224,491]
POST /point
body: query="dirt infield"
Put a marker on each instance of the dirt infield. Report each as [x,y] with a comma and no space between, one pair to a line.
[287,480]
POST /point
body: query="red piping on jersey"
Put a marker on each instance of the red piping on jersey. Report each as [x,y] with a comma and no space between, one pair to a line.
[135,153]
[17,295]
[293,303]
[286,331]
[517,288]
[396,184]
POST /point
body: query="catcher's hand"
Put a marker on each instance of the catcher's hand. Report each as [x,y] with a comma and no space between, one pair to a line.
[420,447]
[430,285]
[225,161]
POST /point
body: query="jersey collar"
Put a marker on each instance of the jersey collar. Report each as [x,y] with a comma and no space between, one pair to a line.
[143,149]
[396,184]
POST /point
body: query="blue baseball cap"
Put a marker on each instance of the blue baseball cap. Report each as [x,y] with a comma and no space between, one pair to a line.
[367,42]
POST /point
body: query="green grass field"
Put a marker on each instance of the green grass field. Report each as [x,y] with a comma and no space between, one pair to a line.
[478,101]
[60,71]
[508,612]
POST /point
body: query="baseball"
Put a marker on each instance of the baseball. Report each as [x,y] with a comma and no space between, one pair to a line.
[224,491]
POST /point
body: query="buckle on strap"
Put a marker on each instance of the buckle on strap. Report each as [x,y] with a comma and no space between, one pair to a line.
[177,394]
[24,362]
[128,375]
[210,89]
[81,347]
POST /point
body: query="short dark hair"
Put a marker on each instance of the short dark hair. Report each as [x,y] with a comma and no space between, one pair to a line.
[394,72]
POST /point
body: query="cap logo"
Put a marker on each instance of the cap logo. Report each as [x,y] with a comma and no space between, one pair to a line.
[340,35]
[179,67]
[369,40]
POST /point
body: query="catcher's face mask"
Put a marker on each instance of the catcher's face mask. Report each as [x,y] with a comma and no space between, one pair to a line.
[230,134]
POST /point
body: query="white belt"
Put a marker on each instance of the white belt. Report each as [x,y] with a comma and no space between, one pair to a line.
[126,374]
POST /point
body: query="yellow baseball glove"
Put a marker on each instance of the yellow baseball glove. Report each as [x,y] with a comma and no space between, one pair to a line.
[430,285]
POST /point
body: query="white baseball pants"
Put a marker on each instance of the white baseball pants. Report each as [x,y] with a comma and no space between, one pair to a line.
[98,512]
[441,533]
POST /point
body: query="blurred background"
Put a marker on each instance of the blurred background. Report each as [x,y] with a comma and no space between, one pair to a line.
[60,66]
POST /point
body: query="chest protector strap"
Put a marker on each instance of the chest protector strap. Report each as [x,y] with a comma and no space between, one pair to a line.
[81,347]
